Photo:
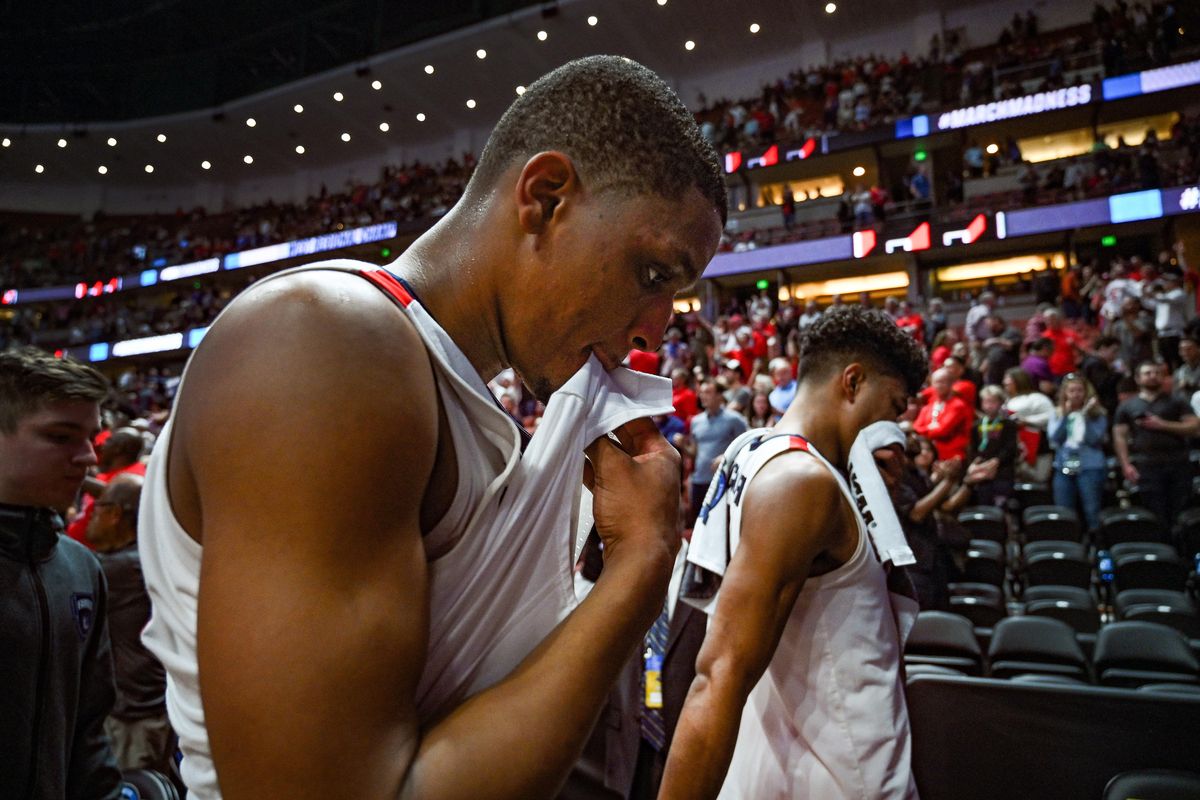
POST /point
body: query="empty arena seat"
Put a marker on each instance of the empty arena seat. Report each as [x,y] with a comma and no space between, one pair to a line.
[1057,563]
[1057,523]
[982,612]
[146,784]
[1131,548]
[1082,617]
[1187,530]
[1048,680]
[1052,592]
[1133,653]
[984,562]
[1036,645]
[971,589]
[1149,571]
[944,640]
[1154,784]
[984,522]
[1129,525]
[1180,689]
[1164,606]
[1028,495]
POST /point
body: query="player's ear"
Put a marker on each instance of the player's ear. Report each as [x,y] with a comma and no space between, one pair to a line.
[853,377]
[545,182]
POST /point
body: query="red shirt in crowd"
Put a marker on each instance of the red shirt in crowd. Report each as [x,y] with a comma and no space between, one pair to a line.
[77,530]
[948,425]
[962,387]
[686,405]
[643,361]
[913,325]
[1062,359]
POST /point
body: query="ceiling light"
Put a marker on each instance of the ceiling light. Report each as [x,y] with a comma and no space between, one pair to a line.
[592,20]
[103,170]
[383,126]
[662,2]
[5,142]
[62,142]
[248,159]
[520,90]
[299,109]
[338,97]
[205,165]
[299,149]
[993,148]
[39,169]
[689,45]
[755,27]
[859,172]
[543,36]
[149,168]
[112,142]
[481,53]
[429,69]
[345,137]
[830,8]
[162,137]
[376,85]
[250,123]
[470,104]
[420,117]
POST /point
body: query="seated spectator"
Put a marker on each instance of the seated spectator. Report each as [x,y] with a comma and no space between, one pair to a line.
[812,312]
[1098,367]
[1001,349]
[1187,375]
[759,413]
[943,344]
[976,324]
[935,318]
[910,321]
[1036,364]
[785,385]
[1150,437]
[121,453]
[994,447]
[946,418]
[1077,433]
[962,386]
[1033,411]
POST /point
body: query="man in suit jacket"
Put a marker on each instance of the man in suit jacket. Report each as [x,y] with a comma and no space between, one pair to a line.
[618,762]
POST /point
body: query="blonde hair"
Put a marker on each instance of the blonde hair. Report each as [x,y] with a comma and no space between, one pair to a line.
[1088,390]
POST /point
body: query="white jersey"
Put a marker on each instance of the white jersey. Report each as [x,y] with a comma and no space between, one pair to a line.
[828,718]
[500,561]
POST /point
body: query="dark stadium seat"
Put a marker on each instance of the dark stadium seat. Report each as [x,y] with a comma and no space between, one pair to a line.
[1180,689]
[1036,645]
[1052,592]
[912,670]
[1131,548]
[1129,525]
[1154,784]
[1149,571]
[970,589]
[1133,653]
[1164,606]
[1057,563]
[1048,680]
[985,562]
[1082,617]
[944,640]
[1187,530]
[983,612]
[1051,522]
[1028,495]
[145,784]
[984,522]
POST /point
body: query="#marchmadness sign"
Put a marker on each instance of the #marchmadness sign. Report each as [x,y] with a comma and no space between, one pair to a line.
[1016,107]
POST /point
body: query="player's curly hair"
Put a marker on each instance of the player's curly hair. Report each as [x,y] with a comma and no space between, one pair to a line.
[620,123]
[845,334]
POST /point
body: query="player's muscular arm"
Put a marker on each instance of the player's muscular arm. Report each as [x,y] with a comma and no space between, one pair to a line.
[793,511]
[311,434]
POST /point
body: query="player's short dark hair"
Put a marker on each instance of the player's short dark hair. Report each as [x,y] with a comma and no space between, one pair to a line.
[845,334]
[621,125]
[31,379]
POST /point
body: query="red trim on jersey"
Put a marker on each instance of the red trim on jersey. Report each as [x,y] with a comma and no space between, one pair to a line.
[388,283]
[797,442]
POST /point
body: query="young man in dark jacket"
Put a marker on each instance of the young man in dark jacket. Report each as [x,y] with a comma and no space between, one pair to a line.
[54,647]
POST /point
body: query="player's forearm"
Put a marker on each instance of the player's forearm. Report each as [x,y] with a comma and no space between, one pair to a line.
[520,738]
[704,740]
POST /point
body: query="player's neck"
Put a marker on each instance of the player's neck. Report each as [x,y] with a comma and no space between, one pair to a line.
[814,415]
[449,269]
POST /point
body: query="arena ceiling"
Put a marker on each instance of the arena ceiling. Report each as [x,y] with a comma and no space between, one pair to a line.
[175,83]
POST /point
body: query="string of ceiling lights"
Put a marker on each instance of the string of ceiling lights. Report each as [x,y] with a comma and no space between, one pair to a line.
[541,35]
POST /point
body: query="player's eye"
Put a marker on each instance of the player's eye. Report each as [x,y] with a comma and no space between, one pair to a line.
[656,276]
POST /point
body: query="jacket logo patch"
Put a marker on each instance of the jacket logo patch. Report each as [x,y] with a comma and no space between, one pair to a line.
[83,609]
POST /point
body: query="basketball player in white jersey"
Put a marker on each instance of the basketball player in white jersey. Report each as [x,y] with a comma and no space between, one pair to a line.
[310,454]
[802,626]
